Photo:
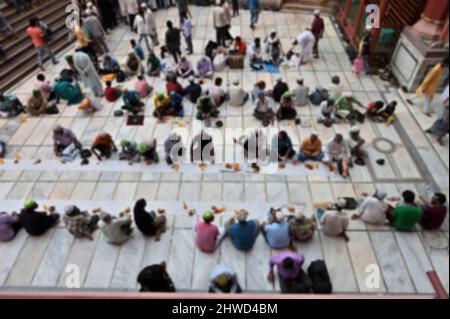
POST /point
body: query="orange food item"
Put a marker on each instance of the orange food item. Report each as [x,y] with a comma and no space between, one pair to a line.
[237,167]
[127,210]
[228,166]
[176,167]
[309,166]
[292,210]
[38,161]
[185,206]
[281,166]
[191,213]
[161,211]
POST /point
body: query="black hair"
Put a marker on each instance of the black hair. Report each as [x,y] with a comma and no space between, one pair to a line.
[33,22]
[238,38]
[40,77]
[140,77]
[108,83]
[133,42]
[218,81]
[441,198]
[409,197]
[335,80]
[288,263]
[283,134]
[169,24]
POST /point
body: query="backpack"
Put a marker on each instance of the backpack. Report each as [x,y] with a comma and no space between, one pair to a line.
[318,273]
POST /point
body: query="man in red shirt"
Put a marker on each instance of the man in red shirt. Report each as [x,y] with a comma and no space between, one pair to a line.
[435,212]
[37,37]
[173,85]
[317,28]
[240,46]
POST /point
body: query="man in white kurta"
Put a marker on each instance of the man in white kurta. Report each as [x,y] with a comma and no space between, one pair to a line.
[306,41]
[88,73]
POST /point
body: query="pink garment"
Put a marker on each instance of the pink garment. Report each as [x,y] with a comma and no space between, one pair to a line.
[207,235]
[358,65]
[142,87]
[45,88]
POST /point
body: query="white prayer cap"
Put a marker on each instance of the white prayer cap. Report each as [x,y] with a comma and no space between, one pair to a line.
[218,2]
[299,215]
[348,94]
[278,78]
[144,5]
[355,129]
[70,209]
[341,203]
[300,79]
[315,133]
[317,13]
[273,31]
[236,82]
[88,12]
[89,4]
[191,78]
[381,194]
[279,216]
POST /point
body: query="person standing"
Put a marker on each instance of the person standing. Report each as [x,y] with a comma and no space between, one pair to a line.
[132,9]
[87,72]
[317,28]
[306,40]
[255,8]
[441,126]
[108,14]
[140,26]
[38,38]
[96,32]
[365,49]
[173,41]
[220,23]
[187,32]
[150,24]
[182,10]
[427,90]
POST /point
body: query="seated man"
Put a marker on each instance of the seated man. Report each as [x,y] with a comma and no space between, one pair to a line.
[193,91]
[379,112]
[116,230]
[263,111]
[293,280]
[207,234]
[243,234]
[173,85]
[286,111]
[218,94]
[34,222]
[174,149]
[37,104]
[9,226]
[110,65]
[153,65]
[334,223]
[337,152]
[112,94]
[240,46]
[206,109]
[356,144]
[155,279]
[279,89]
[224,281]
[301,93]
[132,101]
[149,223]
[335,88]
[147,152]
[311,149]
[406,215]
[258,88]
[103,146]
[161,103]
[285,150]
[301,228]
[256,55]
[69,91]
[346,110]
[65,143]
[185,69]
[10,105]
[373,209]
[176,104]
[238,97]
[220,59]
[133,65]
[129,151]
[434,212]
[79,223]
[142,86]
[273,48]
[328,112]
[202,148]
[276,232]
[205,68]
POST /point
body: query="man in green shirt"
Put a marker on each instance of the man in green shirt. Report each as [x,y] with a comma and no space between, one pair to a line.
[405,216]
[345,108]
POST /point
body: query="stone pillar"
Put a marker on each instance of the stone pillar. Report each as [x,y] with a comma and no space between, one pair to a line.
[432,22]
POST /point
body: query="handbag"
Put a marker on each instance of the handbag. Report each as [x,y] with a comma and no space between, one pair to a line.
[358,65]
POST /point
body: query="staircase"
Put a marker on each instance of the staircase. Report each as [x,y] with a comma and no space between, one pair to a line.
[326,7]
[20,53]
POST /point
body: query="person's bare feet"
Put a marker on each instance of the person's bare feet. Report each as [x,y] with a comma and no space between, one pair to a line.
[440,141]
[428,114]
[409,101]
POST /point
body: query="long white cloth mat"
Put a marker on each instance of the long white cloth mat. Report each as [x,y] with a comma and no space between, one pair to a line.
[123,166]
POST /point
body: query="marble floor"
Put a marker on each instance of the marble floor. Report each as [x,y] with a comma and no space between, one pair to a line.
[403,258]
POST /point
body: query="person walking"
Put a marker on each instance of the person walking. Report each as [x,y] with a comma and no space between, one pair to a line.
[38,38]
[173,41]
[140,26]
[317,28]
[255,8]
[88,73]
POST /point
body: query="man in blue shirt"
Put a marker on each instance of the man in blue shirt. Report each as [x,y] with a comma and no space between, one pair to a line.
[277,233]
[255,8]
[132,101]
[243,234]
